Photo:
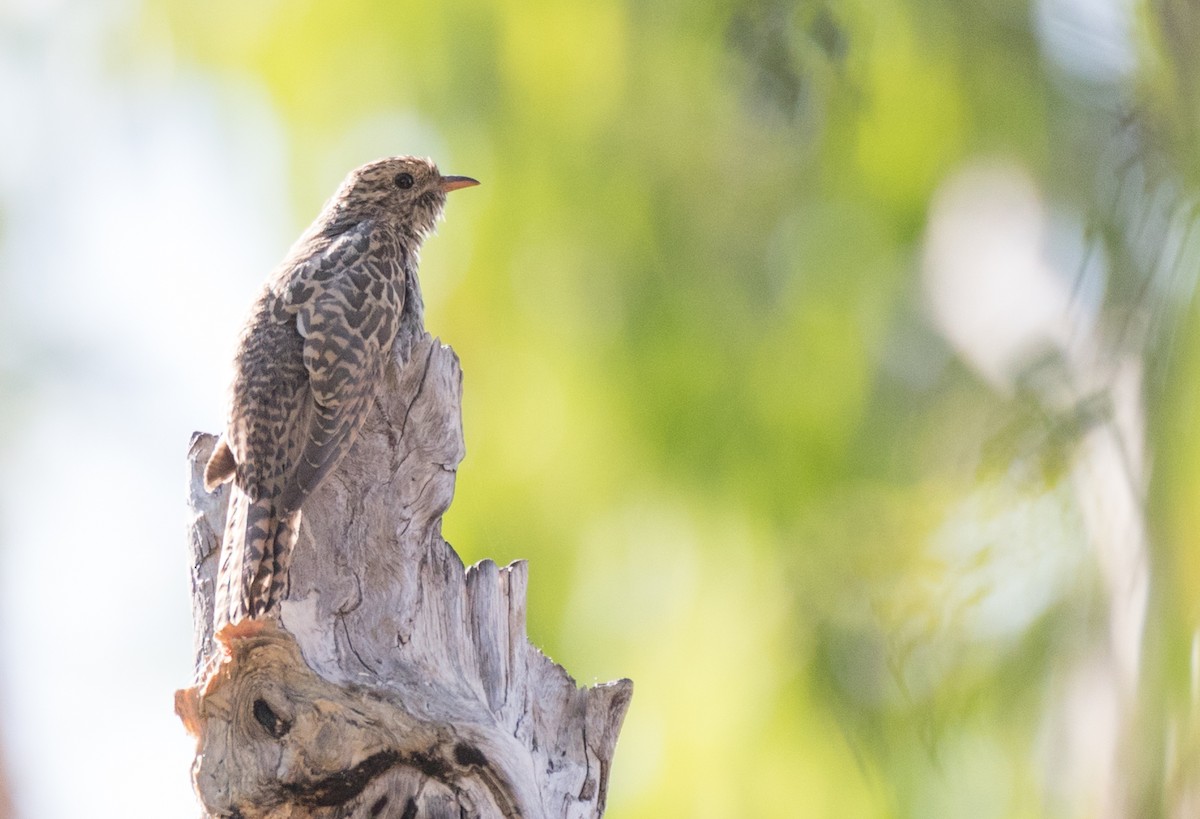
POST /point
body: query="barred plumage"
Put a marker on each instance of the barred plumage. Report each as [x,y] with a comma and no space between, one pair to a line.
[309,364]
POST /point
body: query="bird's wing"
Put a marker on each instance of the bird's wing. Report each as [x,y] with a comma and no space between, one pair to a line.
[348,324]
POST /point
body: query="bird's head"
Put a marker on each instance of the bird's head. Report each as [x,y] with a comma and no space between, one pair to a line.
[406,190]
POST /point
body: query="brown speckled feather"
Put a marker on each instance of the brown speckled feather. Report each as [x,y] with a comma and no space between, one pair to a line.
[309,364]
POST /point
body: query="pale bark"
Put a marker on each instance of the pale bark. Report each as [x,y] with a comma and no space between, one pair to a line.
[397,683]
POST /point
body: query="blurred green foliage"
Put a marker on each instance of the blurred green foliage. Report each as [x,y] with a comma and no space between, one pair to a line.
[703,395]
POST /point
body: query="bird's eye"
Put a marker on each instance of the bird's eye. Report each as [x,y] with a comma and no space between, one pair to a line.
[404,180]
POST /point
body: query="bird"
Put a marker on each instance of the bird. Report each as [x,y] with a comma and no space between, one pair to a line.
[309,364]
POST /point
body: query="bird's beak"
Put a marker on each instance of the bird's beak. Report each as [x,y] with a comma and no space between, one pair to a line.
[453,183]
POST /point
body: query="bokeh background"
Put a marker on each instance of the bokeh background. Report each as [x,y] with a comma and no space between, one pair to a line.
[833,363]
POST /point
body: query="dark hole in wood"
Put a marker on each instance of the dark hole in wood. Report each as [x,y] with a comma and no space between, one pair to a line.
[379,805]
[465,754]
[410,809]
[275,725]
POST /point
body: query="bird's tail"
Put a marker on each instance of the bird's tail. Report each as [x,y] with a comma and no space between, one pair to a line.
[255,556]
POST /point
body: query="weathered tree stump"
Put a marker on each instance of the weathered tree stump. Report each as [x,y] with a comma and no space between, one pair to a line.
[397,683]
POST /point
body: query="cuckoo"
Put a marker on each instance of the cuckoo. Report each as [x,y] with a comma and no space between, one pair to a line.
[309,363]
